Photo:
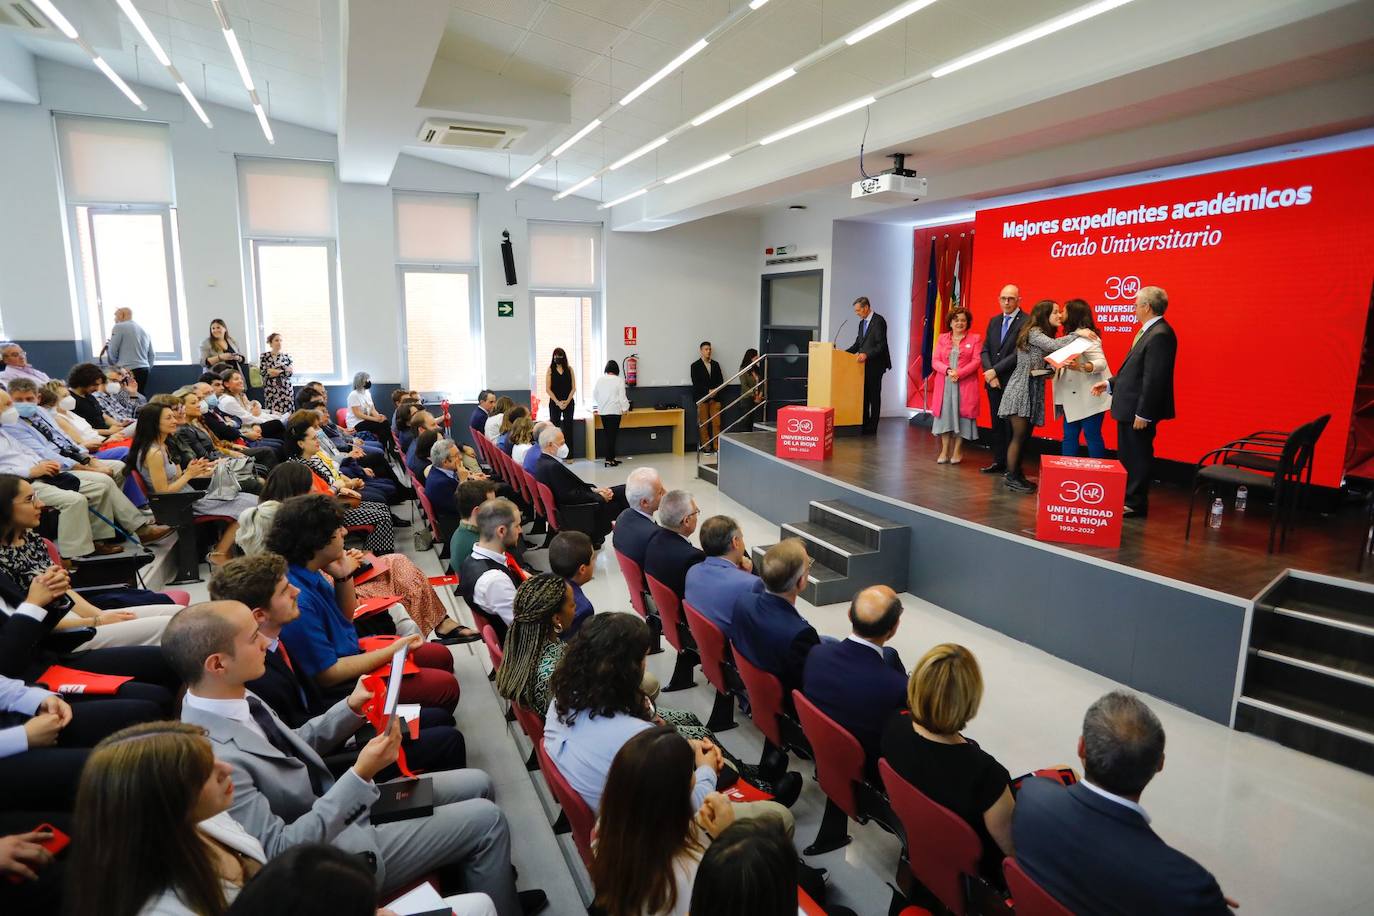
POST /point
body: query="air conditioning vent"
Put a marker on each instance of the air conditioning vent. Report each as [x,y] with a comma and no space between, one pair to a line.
[469,134]
[795,259]
[15,14]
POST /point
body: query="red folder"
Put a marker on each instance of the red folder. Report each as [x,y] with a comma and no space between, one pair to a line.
[373,605]
[742,791]
[68,680]
[450,579]
[379,566]
[369,643]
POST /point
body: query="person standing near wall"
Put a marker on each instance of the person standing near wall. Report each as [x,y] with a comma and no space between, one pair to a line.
[871,346]
[560,385]
[707,381]
[130,347]
[610,401]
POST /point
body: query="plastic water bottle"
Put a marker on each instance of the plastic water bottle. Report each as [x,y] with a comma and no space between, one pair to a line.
[1214,517]
[1241,495]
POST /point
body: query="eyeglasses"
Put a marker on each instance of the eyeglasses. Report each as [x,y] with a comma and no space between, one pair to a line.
[1009,298]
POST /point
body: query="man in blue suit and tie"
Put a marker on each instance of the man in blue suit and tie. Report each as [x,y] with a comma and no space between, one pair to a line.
[716,583]
[767,627]
[859,681]
[1090,845]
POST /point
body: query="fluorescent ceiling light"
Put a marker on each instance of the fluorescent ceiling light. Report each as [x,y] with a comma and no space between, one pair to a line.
[620,200]
[566,144]
[123,86]
[701,167]
[575,188]
[892,16]
[262,119]
[233,42]
[818,119]
[56,18]
[528,173]
[1032,34]
[672,65]
[631,157]
[755,4]
[740,98]
[142,28]
[195,106]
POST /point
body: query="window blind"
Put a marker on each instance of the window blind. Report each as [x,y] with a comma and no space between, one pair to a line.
[112,161]
[286,198]
[436,228]
[565,255]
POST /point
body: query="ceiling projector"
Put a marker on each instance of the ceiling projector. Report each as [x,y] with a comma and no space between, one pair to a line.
[889,187]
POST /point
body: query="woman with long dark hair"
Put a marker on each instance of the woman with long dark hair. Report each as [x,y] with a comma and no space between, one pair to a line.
[152,459]
[236,403]
[1023,401]
[651,836]
[560,385]
[302,446]
[751,381]
[750,870]
[1082,410]
[155,837]
[611,402]
[218,351]
[513,416]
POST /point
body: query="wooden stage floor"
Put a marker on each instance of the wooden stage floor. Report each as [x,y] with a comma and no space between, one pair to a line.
[899,463]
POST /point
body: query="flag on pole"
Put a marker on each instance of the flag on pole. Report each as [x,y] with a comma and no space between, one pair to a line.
[932,294]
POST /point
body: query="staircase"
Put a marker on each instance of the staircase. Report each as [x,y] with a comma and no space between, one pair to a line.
[1309,676]
[850,549]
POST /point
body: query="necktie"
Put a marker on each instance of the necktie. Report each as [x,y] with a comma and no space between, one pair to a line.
[291,669]
[1006,323]
[863,328]
[63,444]
[277,738]
[1136,339]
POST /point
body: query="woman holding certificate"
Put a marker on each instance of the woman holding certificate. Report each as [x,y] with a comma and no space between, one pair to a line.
[1023,402]
[1083,412]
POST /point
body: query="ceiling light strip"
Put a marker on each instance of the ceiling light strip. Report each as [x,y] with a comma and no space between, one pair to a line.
[620,200]
[891,17]
[1021,38]
[524,176]
[701,167]
[591,126]
[663,72]
[241,64]
[575,188]
[122,86]
[643,150]
[141,26]
[64,25]
[739,98]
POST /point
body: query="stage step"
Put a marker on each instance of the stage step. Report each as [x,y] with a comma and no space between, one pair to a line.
[765,427]
[850,549]
[1309,674]
[708,472]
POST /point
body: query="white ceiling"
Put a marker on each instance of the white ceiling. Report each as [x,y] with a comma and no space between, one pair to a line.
[371,71]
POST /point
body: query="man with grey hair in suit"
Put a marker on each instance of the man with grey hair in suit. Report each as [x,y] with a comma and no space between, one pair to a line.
[284,795]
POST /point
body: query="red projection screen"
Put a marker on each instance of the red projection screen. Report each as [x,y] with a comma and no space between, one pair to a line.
[1268,271]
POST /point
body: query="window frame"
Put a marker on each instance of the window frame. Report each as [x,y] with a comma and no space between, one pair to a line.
[474,275]
[597,293]
[256,317]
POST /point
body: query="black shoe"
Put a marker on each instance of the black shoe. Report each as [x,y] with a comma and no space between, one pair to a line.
[773,763]
[1019,484]
[398,522]
[787,789]
[996,467]
[457,637]
[532,902]
[1128,512]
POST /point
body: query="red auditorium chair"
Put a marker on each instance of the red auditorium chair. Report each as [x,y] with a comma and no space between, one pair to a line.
[174,509]
[1031,899]
[634,580]
[766,709]
[942,851]
[711,649]
[581,818]
[675,629]
[840,771]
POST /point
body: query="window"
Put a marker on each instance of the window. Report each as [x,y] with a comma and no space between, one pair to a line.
[286,215]
[436,256]
[117,180]
[566,302]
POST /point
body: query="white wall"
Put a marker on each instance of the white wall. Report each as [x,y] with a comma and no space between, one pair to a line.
[809,231]
[874,260]
[678,286]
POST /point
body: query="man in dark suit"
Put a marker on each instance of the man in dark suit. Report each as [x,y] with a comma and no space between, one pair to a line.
[477,423]
[1143,395]
[671,553]
[768,630]
[707,380]
[871,345]
[571,491]
[715,584]
[636,526]
[1090,845]
[999,358]
[859,682]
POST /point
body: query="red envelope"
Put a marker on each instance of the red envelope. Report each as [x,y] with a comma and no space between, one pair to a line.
[68,680]
[373,712]
[450,579]
[373,605]
[368,643]
[742,791]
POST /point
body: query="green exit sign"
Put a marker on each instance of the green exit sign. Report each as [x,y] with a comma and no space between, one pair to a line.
[505,308]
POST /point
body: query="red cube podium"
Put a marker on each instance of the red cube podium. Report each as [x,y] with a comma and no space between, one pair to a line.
[806,433]
[1080,501]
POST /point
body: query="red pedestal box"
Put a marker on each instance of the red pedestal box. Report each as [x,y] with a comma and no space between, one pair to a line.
[807,433]
[1080,501]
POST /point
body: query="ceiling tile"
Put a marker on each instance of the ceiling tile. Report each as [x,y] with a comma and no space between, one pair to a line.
[672,24]
[548,52]
[516,12]
[616,12]
[479,41]
[577,29]
[647,53]
[538,75]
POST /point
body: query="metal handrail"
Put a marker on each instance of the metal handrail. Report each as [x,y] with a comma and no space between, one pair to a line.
[761,363]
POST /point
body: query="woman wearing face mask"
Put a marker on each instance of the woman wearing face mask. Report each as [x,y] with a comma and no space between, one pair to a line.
[153,808]
[362,413]
[560,385]
[55,403]
[218,351]
[276,377]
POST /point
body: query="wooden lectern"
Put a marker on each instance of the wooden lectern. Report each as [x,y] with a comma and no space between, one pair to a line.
[835,379]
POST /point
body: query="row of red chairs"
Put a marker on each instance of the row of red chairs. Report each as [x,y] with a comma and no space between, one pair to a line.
[941,850]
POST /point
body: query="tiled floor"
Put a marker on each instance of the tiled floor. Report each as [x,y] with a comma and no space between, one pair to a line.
[1284,833]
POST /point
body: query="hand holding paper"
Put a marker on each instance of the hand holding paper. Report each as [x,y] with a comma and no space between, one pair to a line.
[1064,354]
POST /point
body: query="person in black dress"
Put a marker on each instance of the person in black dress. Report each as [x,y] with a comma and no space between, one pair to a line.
[924,746]
[561,385]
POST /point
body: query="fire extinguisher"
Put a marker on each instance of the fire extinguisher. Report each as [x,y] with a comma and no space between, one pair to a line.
[631,370]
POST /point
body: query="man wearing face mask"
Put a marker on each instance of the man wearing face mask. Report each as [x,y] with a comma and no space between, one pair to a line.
[572,492]
[24,394]
[25,453]
[119,397]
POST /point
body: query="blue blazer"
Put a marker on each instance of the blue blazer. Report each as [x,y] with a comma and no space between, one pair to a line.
[857,688]
[668,557]
[1097,856]
[774,636]
[713,587]
[442,491]
[632,534]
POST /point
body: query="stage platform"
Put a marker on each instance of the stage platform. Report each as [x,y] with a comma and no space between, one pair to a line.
[1165,616]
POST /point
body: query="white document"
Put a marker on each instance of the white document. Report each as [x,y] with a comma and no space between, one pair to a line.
[1059,357]
[423,899]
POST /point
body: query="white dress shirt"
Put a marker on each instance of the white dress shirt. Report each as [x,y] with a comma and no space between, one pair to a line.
[494,590]
[1124,802]
[608,395]
[863,642]
[237,710]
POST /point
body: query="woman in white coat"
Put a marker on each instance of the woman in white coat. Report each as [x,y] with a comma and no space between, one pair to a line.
[610,401]
[1082,410]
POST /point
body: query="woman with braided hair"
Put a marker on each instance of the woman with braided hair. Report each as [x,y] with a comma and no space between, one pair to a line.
[543,609]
